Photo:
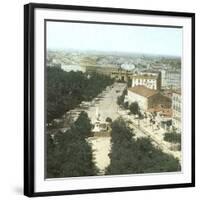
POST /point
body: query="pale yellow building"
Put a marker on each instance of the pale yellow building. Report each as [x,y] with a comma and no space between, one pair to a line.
[176,110]
[151,80]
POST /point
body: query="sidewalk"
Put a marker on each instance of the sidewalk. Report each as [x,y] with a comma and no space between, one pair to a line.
[156,135]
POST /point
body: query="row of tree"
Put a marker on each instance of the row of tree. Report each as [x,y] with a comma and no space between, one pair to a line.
[69,154]
[133,107]
[121,98]
[172,137]
[129,155]
[65,90]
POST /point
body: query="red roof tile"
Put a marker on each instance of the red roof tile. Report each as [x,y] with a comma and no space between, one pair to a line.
[143,91]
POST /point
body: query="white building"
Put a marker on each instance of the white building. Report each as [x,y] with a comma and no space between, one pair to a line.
[173,79]
[163,80]
[176,110]
[128,66]
[150,80]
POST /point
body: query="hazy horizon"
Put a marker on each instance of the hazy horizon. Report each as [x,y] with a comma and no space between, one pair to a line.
[125,39]
[113,53]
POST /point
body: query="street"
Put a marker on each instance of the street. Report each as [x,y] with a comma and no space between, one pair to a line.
[157,136]
[106,102]
[107,106]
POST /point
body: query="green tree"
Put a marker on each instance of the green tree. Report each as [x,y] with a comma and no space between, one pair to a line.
[134,108]
[52,164]
[129,155]
[129,83]
[69,154]
[109,120]
[83,125]
[173,137]
[120,99]
[125,105]
[75,155]
[65,90]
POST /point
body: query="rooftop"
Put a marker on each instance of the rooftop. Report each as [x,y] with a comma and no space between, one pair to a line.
[143,91]
[146,75]
[165,112]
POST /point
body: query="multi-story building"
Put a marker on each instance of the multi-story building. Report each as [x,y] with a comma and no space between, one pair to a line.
[163,79]
[147,98]
[176,110]
[114,72]
[172,79]
[151,80]
[121,75]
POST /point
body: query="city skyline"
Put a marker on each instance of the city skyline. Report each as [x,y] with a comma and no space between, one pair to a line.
[99,37]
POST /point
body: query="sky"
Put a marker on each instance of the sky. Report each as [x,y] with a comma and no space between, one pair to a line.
[114,38]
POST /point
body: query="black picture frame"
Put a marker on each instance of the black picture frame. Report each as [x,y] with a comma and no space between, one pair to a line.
[29,97]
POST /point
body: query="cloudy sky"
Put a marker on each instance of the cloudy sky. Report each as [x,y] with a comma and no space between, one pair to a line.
[115,38]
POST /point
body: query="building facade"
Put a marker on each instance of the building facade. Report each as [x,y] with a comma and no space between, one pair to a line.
[121,75]
[147,98]
[116,73]
[173,79]
[151,80]
[176,110]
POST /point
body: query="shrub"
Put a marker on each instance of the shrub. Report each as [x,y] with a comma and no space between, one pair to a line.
[134,108]
[173,137]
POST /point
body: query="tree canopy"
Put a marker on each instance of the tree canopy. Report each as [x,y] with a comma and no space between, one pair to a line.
[134,108]
[109,120]
[129,155]
[65,90]
[120,99]
[69,154]
[173,137]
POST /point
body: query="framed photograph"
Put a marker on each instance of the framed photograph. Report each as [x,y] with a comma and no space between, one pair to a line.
[109,99]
